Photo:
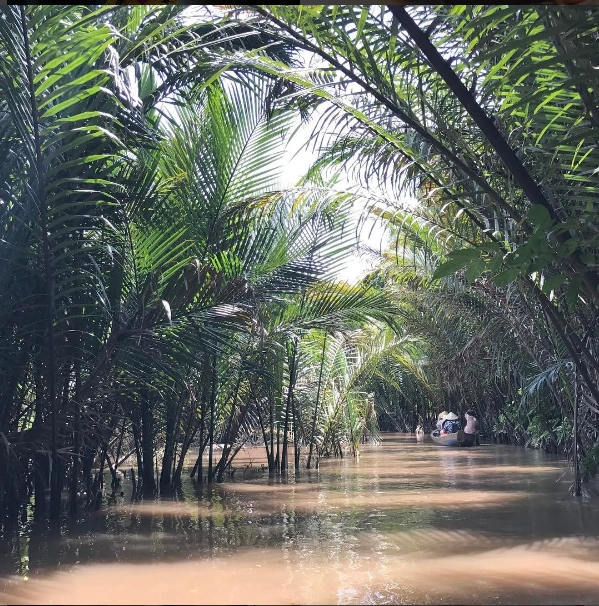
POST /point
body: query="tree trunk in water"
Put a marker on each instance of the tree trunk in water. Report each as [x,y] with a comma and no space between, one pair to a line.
[41,473]
[269,454]
[111,468]
[147,443]
[284,454]
[278,457]
[576,486]
[284,458]
[3,475]
[12,491]
[313,430]
[197,467]
[173,422]
[174,467]
[87,463]
[40,458]
[271,460]
[120,446]
[204,389]
[169,450]
[191,429]
[198,464]
[77,440]
[212,410]
[95,496]
[138,455]
[220,468]
[232,436]
[296,436]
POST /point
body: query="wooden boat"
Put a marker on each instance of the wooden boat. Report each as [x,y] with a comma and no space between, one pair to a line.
[461,439]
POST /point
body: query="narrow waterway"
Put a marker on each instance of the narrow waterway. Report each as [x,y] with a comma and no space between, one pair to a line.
[405,523]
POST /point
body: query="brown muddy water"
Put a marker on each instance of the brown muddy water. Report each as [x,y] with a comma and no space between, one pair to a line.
[405,523]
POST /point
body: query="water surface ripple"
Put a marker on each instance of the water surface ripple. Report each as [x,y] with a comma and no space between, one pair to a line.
[405,523]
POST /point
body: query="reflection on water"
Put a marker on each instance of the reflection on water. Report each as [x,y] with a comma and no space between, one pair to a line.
[405,523]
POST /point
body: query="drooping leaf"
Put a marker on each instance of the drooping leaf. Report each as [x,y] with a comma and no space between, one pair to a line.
[573,291]
[539,216]
[506,277]
[449,268]
[468,254]
[553,282]
[474,270]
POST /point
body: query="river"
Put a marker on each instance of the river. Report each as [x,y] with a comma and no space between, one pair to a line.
[405,523]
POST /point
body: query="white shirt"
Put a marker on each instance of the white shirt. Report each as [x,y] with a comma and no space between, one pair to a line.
[471,424]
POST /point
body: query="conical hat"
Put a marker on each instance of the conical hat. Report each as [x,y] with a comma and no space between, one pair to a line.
[442,415]
[451,417]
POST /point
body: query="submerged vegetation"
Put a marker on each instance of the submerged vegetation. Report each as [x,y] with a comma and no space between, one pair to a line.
[163,292]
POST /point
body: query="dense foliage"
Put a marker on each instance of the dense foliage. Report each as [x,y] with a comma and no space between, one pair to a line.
[487,115]
[161,291]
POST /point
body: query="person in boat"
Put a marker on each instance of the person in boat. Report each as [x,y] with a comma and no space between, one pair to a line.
[471,422]
[451,424]
[472,425]
[441,418]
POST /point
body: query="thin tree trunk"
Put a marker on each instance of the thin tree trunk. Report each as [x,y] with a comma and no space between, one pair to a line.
[3,475]
[40,464]
[220,468]
[206,383]
[138,455]
[111,468]
[227,446]
[199,464]
[190,431]
[169,444]
[120,445]
[147,443]
[95,495]
[269,456]
[179,469]
[174,466]
[271,411]
[133,485]
[77,439]
[284,458]
[576,486]
[87,464]
[284,452]
[296,435]
[278,457]
[197,468]
[313,430]
[59,461]
[295,415]
[40,458]
[212,412]
[233,433]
